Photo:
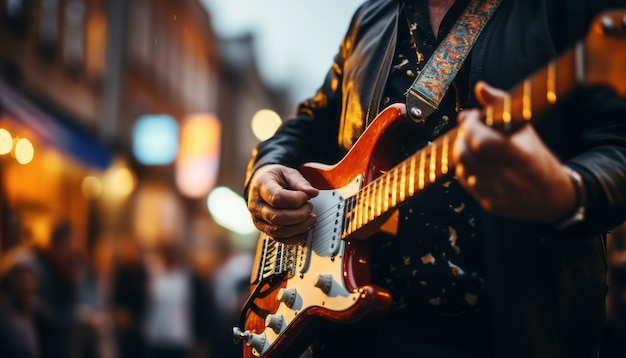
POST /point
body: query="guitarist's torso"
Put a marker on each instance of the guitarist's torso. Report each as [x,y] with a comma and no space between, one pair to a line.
[328,279]
[367,52]
[434,262]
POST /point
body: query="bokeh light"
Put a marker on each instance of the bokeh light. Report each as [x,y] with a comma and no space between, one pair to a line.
[230,211]
[91,187]
[123,182]
[198,159]
[24,151]
[6,141]
[265,123]
[155,139]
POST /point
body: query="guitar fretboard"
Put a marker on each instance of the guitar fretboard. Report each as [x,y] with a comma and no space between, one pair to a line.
[526,102]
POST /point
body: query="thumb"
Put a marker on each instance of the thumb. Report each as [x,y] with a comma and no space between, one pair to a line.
[295,181]
[487,94]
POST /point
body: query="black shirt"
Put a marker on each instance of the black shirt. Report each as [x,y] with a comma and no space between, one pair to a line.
[434,265]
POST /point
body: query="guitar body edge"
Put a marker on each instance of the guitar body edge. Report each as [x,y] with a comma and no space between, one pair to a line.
[357,300]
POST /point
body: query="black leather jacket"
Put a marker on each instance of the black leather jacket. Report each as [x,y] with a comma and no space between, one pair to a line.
[546,288]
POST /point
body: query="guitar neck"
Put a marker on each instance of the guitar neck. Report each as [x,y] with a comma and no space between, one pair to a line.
[524,104]
[533,97]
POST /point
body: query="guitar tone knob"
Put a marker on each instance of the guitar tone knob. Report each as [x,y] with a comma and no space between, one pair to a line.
[287,296]
[257,341]
[275,322]
[324,282]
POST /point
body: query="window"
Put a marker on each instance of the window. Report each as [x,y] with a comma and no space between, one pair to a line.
[16,14]
[48,25]
[74,46]
[141,41]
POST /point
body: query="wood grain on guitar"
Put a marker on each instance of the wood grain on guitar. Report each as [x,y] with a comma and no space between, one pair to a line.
[295,290]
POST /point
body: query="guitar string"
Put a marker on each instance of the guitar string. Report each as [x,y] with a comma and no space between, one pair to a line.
[362,206]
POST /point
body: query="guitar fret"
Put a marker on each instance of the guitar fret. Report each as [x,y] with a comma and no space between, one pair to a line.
[489,116]
[370,203]
[412,177]
[363,209]
[444,155]
[394,190]
[360,211]
[403,183]
[420,178]
[527,112]
[386,199]
[551,83]
[506,113]
[433,163]
[379,197]
[365,206]
[355,213]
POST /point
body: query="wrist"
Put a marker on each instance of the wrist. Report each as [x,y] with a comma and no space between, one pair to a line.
[578,213]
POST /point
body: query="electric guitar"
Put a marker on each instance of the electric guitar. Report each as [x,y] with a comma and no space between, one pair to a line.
[296,289]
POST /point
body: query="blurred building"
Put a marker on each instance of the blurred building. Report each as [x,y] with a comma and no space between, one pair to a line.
[169,68]
[77,77]
[244,94]
[52,74]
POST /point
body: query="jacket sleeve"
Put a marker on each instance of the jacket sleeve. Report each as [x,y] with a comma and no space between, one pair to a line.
[602,164]
[587,131]
[601,161]
[312,134]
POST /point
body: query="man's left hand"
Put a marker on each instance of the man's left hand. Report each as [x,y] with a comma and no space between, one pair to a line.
[515,176]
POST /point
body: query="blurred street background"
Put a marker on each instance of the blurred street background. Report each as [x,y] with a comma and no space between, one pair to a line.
[125,130]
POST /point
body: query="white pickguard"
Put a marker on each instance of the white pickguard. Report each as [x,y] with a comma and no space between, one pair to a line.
[323,254]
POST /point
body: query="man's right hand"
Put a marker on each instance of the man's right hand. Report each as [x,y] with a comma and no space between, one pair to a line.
[278,200]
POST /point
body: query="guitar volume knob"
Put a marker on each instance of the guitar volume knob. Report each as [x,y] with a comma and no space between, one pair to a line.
[324,282]
[275,322]
[257,341]
[287,296]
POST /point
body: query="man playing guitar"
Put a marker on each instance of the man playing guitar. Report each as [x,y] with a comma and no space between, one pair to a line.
[502,255]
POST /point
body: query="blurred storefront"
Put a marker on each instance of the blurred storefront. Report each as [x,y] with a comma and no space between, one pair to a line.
[43,179]
[49,110]
[77,77]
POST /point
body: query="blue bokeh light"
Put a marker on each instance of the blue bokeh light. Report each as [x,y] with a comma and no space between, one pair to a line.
[155,139]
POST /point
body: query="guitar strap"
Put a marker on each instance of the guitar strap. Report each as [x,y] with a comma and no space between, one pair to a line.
[432,83]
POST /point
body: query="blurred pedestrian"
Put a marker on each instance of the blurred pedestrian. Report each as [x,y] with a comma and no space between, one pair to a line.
[231,289]
[177,317]
[95,334]
[18,301]
[129,296]
[57,291]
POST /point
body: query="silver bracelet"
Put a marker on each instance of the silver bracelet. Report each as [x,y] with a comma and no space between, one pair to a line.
[578,214]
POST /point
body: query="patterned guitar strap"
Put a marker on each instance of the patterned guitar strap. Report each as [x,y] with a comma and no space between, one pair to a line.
[432,83]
